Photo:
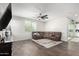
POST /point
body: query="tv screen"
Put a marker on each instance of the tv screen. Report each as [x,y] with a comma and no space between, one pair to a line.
[6,17]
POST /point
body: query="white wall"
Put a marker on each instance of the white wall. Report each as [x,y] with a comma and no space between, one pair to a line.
[18,29]
[40,26]
[58,24]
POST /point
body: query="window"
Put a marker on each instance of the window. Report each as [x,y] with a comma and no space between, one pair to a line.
[30,26]
[34,26]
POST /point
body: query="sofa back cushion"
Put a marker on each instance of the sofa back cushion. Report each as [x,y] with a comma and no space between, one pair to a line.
[56,36]
[37,35]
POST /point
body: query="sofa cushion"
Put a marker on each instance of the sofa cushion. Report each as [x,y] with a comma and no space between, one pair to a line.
[56,36]
[37,35]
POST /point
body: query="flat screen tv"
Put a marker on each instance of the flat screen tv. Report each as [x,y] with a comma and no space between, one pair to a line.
[6,17]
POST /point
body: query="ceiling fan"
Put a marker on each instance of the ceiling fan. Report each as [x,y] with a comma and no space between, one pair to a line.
[41,15]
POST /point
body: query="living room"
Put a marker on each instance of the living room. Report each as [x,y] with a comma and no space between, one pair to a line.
[48,28]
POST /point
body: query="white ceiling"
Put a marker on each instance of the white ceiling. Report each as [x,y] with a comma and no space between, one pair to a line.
[28,10]
[31,10]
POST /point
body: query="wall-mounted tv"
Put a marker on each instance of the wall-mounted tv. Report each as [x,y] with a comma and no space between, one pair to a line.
[6,17]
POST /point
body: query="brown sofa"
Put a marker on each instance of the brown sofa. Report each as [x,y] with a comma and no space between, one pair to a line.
[56,36]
